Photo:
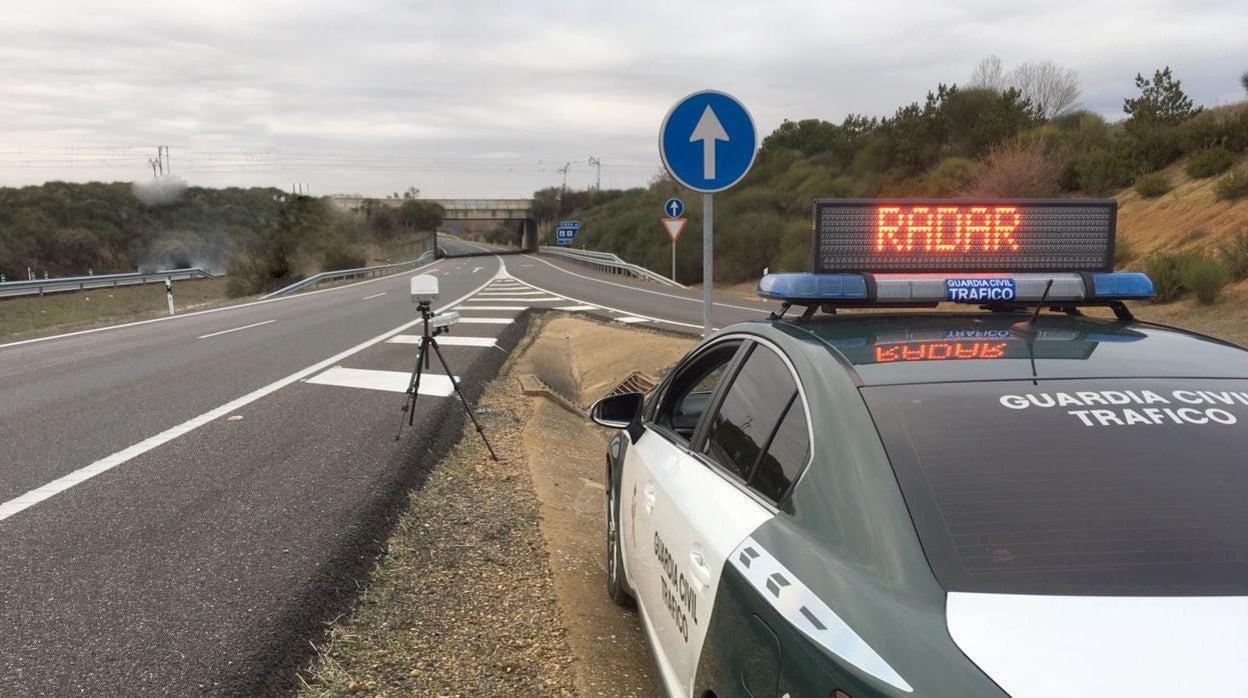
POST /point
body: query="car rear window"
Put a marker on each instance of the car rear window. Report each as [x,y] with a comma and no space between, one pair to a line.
[1087,487]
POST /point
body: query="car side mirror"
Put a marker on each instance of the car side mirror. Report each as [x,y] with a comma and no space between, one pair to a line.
[617,411]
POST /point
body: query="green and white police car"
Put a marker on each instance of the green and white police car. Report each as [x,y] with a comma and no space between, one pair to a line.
[997,502]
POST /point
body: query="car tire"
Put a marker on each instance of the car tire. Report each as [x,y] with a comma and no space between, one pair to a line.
[617,581]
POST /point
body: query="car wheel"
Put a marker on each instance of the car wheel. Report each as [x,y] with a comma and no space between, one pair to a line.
[617,584]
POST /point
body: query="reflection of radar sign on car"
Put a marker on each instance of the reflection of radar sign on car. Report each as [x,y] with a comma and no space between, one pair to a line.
[997,502]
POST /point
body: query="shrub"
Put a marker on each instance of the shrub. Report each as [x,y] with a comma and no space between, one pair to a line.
[951,176]
[237,287]
[1098,171]
[1235,255]
[1018,169]
[341,257]
[1203,275]
[1163,269]
[1232,185]
[1209,162]
[1152,185]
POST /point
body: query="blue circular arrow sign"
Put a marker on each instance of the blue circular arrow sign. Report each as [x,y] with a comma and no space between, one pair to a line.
[674,208]
[708,141]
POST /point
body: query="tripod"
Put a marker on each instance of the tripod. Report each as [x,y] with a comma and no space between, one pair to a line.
[428,342]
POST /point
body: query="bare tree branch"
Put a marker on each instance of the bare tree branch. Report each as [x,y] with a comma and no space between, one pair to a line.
[988,74]
[1053,89]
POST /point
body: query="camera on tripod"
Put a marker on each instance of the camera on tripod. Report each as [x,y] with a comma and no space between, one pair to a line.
[424,290]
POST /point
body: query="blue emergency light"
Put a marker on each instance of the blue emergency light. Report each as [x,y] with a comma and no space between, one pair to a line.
[978,289]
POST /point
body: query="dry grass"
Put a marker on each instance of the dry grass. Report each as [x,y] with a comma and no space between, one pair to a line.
[31,316]
[1165,223]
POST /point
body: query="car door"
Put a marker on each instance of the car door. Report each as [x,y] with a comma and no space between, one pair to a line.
[669,426]
[704,506]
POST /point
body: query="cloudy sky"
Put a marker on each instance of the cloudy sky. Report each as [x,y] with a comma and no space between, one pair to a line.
[468,98]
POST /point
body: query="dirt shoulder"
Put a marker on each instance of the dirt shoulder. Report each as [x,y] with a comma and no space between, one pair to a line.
[492,583]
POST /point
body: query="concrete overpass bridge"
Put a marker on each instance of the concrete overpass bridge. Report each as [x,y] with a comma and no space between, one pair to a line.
[469,213]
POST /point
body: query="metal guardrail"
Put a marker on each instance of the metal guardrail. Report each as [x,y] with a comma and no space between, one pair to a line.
[342,274]
[609,263]
[42,287]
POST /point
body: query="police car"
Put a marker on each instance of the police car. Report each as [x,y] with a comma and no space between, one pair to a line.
[995,502]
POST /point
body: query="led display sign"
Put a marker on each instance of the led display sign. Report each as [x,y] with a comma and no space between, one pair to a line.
[935,235]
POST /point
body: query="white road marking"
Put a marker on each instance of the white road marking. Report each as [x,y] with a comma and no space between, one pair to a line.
[236,329]
[477,269]
[485,321]
[183,316]
[509,292]
[577,307]
[516,299]
[491,307]
[760,308]
[606,307]
[446,340]
[39,494]
[375,295]
[390,381]
[631,319]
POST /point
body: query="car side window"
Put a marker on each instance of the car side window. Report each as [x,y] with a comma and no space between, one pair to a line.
[785,456]
[691,387]
[753,405]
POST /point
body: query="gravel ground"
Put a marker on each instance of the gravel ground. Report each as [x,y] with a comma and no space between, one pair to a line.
[462,602]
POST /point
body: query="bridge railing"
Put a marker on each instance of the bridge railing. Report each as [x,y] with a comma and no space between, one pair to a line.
[42,287]
[609,263]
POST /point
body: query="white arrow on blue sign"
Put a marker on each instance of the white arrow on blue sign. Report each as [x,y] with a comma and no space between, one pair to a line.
[674,208]
[708,141]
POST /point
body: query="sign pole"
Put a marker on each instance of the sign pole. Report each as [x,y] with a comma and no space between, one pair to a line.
[673,260]
[708,261]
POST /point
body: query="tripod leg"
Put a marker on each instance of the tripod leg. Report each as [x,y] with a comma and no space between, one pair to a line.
[415,388]
[467,408]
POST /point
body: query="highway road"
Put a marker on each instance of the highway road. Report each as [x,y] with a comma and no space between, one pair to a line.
[184,501]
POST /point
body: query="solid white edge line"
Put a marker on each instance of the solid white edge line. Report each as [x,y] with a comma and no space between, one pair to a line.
[644,290]
[197,313]
[607,307]
[236,329]
[375,295]
[39,494]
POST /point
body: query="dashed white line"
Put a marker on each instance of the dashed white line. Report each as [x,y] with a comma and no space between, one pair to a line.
[485,321]
[631,319]
[491,307]
[577,307]
[51,489]
[236,329]
[375,295]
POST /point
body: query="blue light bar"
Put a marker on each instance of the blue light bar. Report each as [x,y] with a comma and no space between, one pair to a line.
[1122,285]
[1064,288]
[813,287]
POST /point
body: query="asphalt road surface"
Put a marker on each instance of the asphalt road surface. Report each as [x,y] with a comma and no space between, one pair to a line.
[184,501]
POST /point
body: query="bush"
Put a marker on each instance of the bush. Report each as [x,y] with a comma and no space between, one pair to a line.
[1164,270]
[1209,162]
[951,176]
[1152,185]
[1235,255]
[1203,275]
[342,257]
[237,287]
[1018,169]
[1232,185]
[1098,171]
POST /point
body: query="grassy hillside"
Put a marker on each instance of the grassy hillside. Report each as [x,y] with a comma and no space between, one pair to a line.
[958,142]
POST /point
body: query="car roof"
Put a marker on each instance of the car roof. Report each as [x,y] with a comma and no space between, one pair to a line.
[928,347]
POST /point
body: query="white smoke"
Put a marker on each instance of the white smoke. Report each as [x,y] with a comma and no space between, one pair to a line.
[165,190]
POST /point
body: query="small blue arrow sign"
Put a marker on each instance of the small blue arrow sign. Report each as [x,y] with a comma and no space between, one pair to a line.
[674,208]
[708,141]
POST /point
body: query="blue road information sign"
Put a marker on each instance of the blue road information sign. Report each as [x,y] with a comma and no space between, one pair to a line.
[674,208]
[980,289]
[708,141]
[566,231]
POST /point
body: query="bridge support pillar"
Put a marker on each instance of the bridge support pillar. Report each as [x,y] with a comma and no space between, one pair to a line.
[528,235]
